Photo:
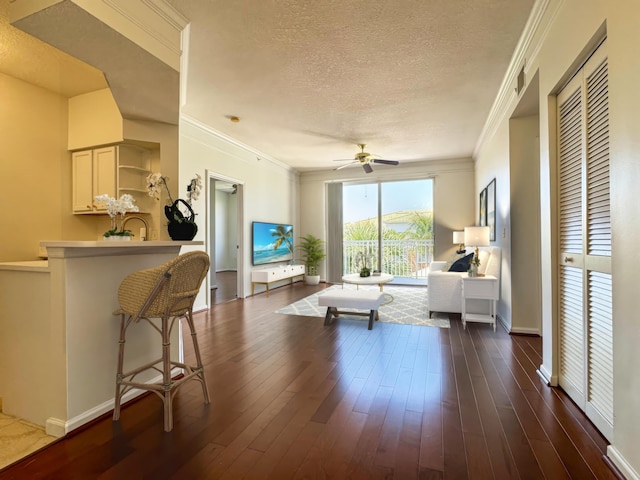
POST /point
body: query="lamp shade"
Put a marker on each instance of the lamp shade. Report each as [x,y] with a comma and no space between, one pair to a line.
[458,237]
[477,236]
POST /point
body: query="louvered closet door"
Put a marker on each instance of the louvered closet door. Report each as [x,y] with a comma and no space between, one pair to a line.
[585,293]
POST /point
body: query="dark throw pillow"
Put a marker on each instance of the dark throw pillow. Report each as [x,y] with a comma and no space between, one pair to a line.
[462,264]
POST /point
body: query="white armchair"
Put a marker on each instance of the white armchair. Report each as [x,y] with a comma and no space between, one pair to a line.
[444,289]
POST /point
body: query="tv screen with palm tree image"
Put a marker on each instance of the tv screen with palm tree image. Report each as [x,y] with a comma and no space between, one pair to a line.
[272,243]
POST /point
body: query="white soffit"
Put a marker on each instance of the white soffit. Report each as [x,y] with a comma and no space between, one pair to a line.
[33,61]
[143,86]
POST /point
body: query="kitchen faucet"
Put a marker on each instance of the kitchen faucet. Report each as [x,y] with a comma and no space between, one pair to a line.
[146,225]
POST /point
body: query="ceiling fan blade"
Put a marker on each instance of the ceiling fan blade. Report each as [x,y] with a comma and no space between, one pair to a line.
[367,168]
[386,162]
[346,165]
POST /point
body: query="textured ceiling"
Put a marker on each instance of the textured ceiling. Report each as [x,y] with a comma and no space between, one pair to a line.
[27,58]
[412,79]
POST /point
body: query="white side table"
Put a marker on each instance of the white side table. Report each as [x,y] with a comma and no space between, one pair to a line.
[483,288]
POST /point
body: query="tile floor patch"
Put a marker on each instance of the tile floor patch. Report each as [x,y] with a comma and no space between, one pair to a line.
[19,438]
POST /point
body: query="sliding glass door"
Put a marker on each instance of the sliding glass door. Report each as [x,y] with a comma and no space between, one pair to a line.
[388,226]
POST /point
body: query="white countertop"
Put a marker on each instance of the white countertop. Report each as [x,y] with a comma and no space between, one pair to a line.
[98,248]
[29,266]
[115,244]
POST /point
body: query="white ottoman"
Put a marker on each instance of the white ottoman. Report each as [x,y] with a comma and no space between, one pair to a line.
[356,299]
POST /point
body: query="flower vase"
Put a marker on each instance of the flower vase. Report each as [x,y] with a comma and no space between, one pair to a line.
[184,230]
[181,227]
[117,238]
[473,270]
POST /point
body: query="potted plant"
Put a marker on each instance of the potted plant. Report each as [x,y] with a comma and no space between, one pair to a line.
[117,209]
[312,249]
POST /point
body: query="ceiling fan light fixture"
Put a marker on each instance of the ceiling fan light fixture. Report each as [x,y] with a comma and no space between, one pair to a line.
[366,159]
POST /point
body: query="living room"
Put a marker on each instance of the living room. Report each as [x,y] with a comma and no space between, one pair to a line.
[507,150]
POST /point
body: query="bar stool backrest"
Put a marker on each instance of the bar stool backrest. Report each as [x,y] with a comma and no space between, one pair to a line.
[166,290]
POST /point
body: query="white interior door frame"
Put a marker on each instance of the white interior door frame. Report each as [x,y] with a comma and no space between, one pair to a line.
[211,175]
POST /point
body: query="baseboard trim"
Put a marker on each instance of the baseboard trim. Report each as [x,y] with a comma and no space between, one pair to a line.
[545,374]
[525,331]
[543,377]
[200,308]
[619,462]
[57,427]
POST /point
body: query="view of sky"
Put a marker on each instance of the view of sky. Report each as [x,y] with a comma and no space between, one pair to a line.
[361,201]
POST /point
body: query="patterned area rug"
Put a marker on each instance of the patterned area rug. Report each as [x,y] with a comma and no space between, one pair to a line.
[405,305]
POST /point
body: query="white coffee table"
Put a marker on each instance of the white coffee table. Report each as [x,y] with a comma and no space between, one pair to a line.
[356,279]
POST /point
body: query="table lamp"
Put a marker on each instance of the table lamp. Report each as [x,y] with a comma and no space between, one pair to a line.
[458,237]
[477,237]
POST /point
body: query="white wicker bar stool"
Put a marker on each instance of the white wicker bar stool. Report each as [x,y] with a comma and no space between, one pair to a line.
[165,293]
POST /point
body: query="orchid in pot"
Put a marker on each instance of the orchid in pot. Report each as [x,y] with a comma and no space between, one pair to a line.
[117,209]
[181,217]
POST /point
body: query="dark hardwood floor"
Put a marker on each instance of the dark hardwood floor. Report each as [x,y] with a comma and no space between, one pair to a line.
[226,287]
[294,399]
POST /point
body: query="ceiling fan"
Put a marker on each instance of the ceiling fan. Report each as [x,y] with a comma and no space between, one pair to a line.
[366,159]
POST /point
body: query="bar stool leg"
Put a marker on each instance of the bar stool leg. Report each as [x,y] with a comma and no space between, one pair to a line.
[196,350]
[121,342]
[166,375]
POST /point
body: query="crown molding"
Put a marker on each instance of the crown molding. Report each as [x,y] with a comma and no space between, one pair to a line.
[538,21]
[152,24]
[232,141]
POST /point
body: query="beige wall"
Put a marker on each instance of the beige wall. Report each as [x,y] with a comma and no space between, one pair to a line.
[35,168]
[574,27]
[94,120]
[35,171]
[27,359]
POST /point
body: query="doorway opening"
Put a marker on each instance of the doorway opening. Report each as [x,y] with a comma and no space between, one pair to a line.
[225,239]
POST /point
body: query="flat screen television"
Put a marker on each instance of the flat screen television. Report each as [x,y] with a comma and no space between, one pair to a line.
[272,242]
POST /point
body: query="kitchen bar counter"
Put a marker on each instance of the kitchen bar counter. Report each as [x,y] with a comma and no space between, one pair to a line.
[29,266]
[59,342]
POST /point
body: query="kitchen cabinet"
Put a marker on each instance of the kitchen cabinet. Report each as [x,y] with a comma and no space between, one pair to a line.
[93,174]
[113,170]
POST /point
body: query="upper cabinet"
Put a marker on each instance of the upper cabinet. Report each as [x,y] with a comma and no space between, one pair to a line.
[113,170]
[94,173]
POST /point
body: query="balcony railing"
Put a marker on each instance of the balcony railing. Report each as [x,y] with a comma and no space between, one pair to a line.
[400,258]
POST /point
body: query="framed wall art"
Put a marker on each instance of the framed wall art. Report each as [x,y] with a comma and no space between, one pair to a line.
[482,215]
[491,207]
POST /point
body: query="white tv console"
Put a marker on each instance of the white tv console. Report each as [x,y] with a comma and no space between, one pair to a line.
[270,275]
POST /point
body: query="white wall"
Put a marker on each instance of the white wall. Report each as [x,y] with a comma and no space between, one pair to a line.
[521,241]
[571,28]
[269,188]
[453,197]
[226,228]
